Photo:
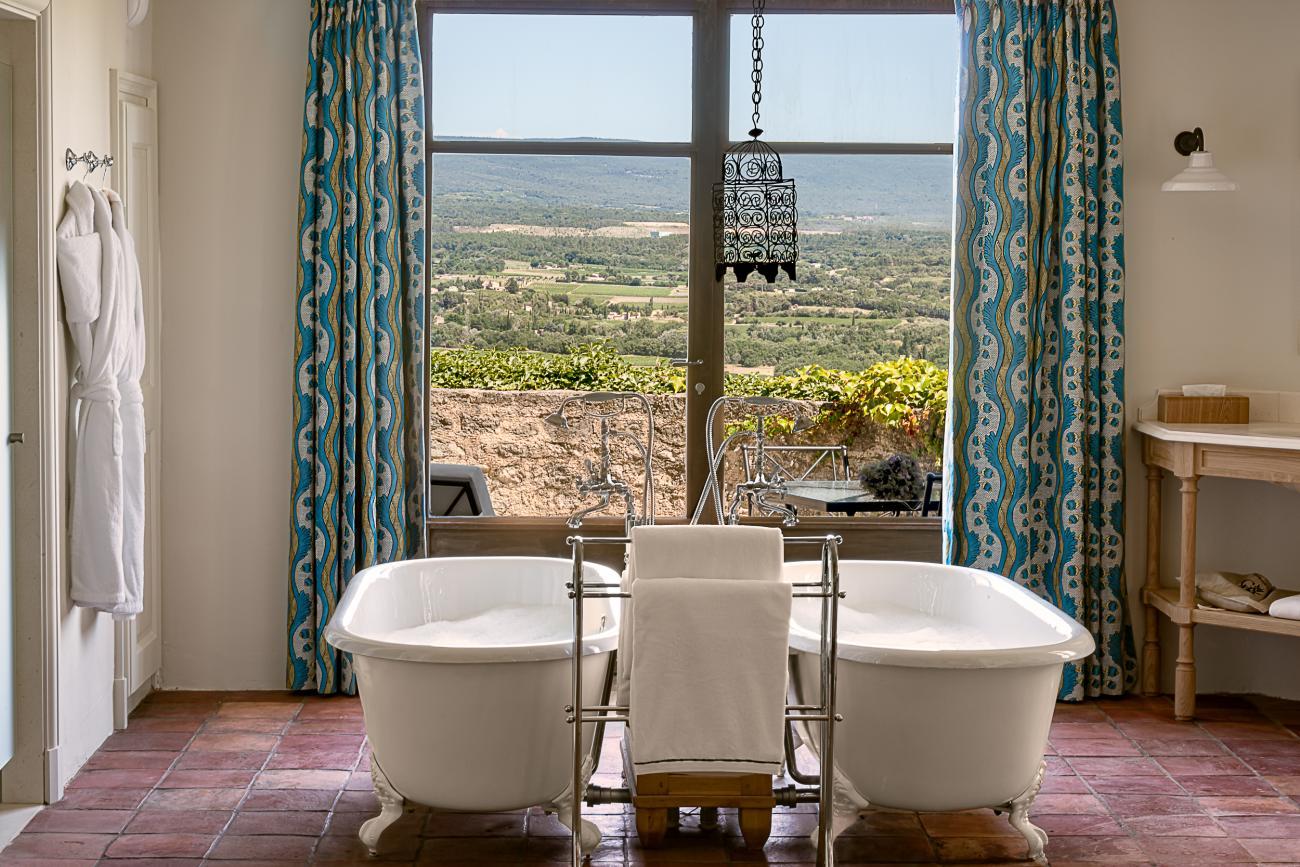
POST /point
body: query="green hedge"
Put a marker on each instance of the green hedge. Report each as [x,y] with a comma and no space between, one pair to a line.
[908,394]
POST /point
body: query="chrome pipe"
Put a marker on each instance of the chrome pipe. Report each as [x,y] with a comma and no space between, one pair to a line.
[648,492]
[825,782]
[813,540]
[575,717]
[574,521]
[830,672]
[599,540]
[791,796]
[606,691]
[604,719]
[607,795]
[791,762]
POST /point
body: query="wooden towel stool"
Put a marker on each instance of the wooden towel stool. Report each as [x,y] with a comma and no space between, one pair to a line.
[653,795]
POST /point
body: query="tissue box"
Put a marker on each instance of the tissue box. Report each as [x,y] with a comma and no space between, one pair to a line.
[1179,409]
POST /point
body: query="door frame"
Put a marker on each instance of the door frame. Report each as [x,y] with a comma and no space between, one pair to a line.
[33,774]
[127,89]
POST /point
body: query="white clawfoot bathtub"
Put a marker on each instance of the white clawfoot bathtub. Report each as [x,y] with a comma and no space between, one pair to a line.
[947,680]
[463,668]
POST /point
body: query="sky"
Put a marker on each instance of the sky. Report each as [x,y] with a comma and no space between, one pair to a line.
[880,78]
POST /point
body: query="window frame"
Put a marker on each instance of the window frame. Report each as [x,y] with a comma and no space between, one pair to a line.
[710,122]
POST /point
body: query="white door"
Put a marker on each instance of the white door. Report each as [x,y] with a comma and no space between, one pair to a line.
[135,177]
[6,418]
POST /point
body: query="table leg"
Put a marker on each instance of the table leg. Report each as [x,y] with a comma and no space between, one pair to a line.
[1151,645]
[1185,670]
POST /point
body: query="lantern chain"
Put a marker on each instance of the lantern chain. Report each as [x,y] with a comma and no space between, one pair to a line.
[756,52]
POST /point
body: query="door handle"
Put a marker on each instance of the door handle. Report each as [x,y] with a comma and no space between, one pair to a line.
[16,439]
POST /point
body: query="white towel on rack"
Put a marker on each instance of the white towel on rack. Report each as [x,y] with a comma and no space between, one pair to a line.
[708,686]
[692,552]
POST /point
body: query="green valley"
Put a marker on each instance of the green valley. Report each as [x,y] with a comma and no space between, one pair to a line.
[543,253]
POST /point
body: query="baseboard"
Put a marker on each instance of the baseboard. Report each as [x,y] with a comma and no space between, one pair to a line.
[139,695]
[53,780]
[13,818]
[121,703]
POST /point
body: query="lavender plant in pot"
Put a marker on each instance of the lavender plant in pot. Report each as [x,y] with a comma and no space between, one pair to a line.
[898,477]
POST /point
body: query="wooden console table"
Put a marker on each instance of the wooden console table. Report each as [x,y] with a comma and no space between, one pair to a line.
[1264,451]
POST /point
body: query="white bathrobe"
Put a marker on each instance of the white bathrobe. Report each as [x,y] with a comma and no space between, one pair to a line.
[104,308]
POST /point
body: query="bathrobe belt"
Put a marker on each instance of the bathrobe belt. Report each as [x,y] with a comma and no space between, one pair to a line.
[110,392]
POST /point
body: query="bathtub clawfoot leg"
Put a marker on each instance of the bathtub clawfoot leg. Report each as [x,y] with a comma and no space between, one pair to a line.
[562,807]
[1035,836]
[390,803]
[847,804]
[590,837]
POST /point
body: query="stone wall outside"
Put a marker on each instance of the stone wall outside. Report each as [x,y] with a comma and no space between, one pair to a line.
[531,467]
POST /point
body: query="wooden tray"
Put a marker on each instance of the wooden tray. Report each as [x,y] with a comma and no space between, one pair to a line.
[1180,409]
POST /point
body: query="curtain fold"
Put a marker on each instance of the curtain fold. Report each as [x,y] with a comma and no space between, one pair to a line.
[359,369]
[1035,458]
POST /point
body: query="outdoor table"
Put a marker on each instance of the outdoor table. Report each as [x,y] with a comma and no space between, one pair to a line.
[846,497]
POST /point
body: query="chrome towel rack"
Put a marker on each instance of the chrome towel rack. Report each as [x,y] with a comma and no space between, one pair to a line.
[827,589]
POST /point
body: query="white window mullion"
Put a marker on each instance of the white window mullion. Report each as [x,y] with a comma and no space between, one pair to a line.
[710,89]
[561,147]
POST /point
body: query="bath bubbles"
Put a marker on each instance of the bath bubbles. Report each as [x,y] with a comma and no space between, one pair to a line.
[504,626]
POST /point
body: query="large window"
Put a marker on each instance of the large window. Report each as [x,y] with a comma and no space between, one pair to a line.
[572,157]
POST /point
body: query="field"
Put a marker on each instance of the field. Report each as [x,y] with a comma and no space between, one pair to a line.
[595,250]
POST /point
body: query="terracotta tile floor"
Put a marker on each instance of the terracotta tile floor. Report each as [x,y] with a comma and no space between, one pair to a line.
[281,779]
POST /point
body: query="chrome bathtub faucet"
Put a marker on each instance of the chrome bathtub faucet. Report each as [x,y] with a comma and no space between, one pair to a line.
[767,485]
[600,482]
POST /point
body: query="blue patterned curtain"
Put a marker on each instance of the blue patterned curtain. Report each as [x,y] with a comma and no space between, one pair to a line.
[358,447]
[1035,469]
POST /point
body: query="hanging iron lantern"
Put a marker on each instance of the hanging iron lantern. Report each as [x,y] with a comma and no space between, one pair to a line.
[754,214]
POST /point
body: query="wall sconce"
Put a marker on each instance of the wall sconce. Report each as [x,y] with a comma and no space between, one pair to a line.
[1200,174]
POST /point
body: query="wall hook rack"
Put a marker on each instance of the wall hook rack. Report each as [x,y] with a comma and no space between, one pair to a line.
[93,161]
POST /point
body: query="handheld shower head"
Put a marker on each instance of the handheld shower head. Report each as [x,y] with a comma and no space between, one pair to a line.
[557,420]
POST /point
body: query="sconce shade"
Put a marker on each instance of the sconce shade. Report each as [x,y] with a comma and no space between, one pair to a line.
[1199,176]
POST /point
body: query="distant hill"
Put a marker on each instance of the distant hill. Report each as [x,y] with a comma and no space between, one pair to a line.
[483,189]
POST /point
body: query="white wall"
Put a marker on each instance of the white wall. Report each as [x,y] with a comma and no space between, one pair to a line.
[231,77]
[1213,290]
[88,38]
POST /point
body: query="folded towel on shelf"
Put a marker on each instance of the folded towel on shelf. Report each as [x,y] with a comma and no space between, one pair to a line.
[692,552]
[1246,592]
[708,682]
[1286,606]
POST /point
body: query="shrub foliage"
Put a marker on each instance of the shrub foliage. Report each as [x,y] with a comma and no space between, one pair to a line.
[907,394]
